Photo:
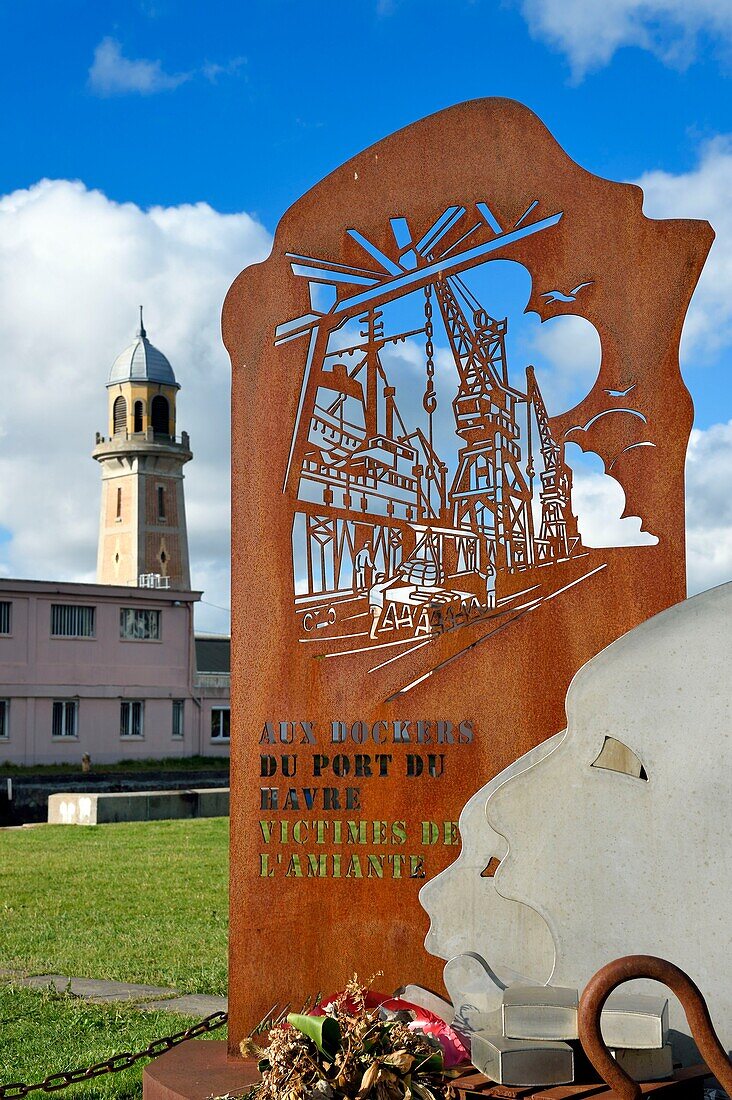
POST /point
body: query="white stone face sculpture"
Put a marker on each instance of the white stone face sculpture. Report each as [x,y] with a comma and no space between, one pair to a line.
[597,862]
[469,916]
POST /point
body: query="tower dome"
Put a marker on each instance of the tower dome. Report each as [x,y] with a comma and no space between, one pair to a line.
[141,362]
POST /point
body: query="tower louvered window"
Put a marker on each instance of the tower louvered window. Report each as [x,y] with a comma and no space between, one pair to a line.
[138,416]
[160,415]
[119,415]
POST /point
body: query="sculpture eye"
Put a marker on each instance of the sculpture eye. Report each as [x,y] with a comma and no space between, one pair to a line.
[614,756]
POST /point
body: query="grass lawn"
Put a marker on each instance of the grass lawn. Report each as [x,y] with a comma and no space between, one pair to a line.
[44,1032]
[140,902]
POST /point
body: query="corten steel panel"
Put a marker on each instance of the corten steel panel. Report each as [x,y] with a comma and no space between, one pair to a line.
[466,645]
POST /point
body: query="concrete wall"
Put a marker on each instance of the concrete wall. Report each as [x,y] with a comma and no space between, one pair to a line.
[26,800]
[102,809]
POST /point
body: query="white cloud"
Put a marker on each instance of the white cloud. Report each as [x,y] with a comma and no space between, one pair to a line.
[566,352]
[702,193]
[590,31]
[212,70]
[112,73]
[706,348]
[709,507]
[73,267]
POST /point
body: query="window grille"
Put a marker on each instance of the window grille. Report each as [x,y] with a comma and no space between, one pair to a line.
[178,715]
[5,616]
[70,620]
[220,723]
[139,625]
[130,718]
[65,718]
[4,719]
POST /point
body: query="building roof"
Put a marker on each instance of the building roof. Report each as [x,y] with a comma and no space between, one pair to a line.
[119,593]
[142,362]
[213,654]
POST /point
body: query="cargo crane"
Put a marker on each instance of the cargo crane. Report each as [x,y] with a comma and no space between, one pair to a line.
[375,488]
[558,533]
[490,494]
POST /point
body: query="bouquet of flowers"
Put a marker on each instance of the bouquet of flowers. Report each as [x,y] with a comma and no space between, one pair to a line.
[356,1045]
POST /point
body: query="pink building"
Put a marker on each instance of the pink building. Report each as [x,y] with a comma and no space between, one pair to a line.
[113,669]
[106,670]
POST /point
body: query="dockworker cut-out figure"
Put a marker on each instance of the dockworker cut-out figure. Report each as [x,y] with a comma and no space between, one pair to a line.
[376,601]
[364,567]
[608,853]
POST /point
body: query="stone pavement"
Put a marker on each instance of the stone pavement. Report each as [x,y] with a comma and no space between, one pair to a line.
[138,996]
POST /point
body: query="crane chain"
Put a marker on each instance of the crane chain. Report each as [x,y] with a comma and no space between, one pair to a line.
[16,1090]
[429,401]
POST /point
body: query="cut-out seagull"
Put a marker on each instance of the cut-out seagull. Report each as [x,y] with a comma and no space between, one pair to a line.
[621,393]
[560,296]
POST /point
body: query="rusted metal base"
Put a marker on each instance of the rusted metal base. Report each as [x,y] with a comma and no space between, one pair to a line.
[196,1070]
[686,1084]
[199,1069]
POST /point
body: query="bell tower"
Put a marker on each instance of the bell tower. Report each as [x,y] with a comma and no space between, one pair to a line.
[143,539]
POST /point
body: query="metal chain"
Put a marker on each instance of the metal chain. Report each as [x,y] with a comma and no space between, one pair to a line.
[55,1081]
[429,401]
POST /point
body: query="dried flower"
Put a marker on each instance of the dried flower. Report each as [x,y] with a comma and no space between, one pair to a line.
[348,1051]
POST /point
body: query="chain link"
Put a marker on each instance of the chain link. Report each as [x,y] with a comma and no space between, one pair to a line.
[16,1090]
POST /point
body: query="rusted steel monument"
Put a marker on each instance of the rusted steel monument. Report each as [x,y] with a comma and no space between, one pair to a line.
[412,588]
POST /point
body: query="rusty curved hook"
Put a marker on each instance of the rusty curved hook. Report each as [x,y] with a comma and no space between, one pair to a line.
[697,1014]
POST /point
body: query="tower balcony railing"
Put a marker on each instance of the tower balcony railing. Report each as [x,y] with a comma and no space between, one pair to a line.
[153,580]
[148,436]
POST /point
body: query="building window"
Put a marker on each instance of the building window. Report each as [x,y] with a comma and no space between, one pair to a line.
[160,415]
[5,616]
[178,713]
[139,625]
[65,718]
[220,722]
[119,415]
[4,719]
[119,502]
[138,409]
[69,620]
[161,502]
[130,717]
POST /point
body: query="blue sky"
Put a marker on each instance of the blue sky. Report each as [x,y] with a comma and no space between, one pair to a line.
[309,84]
[176,134]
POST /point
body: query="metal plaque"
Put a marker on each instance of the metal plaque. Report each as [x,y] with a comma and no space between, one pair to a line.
[414,582]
